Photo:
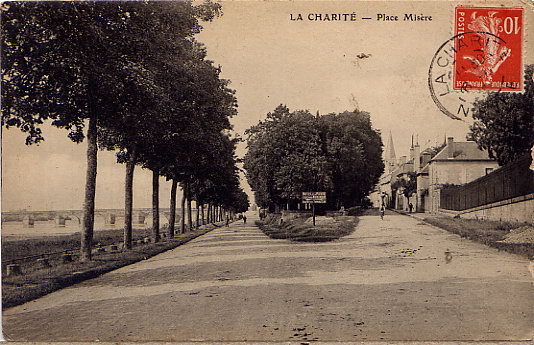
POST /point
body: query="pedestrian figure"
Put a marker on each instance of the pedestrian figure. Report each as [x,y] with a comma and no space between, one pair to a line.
[244,219]
[382,211]
[410,206]
[227,221]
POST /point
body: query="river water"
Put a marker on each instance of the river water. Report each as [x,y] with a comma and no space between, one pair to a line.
[12,231]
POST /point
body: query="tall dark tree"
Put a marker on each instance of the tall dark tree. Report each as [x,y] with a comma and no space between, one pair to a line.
[208,106]
[172,207]
[65,62]
[294,152]
[504,122]
[217,180]
[354,152]
[49,74]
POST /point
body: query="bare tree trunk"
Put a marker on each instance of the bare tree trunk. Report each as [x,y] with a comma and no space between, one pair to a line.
[208,214]
[90,192]
[155,204]
[202,210]
[182,219]
[172,215]
[128,198]
[189,215]
[212,214]
[197,215]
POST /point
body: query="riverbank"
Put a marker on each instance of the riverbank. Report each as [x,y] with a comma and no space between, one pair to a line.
[39,278]
[18,249]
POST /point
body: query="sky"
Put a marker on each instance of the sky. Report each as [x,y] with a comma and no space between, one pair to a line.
[271,60]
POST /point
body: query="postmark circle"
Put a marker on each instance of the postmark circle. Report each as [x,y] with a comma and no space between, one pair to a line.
[457,102]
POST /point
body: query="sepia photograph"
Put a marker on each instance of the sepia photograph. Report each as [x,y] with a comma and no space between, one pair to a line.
[267,172]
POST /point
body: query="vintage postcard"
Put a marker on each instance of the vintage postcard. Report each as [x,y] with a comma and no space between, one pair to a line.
[267,172]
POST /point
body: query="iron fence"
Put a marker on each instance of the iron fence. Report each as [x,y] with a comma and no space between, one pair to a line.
[510,181]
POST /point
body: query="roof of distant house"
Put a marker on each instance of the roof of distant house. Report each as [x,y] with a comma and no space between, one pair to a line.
[405,168]
[467,150]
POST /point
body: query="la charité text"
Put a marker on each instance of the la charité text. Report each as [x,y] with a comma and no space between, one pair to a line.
[352,17]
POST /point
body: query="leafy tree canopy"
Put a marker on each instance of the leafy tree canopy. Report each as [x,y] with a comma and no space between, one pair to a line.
[69,61]
[294,152]
[504,122]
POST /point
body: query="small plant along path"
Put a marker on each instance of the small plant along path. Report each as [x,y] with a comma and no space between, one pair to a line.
[391,279]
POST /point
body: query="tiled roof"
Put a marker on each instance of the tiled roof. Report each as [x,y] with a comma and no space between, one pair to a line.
[462,151]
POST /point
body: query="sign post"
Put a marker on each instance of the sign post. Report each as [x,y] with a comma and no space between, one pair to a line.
[314,198]
[313,212]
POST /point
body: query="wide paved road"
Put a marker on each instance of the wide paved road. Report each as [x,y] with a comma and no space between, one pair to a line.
[389,280]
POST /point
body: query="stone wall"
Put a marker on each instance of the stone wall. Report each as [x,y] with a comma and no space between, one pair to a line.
[520,209]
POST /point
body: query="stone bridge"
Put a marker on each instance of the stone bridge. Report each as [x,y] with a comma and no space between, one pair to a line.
[109,216]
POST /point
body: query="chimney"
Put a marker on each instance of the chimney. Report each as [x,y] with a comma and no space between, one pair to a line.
[417,158]
[425,158]
[411,149]
[450,147]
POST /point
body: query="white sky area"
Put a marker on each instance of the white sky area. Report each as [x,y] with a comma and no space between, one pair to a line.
[270,60]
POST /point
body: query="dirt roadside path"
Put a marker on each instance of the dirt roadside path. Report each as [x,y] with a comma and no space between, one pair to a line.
[389,280]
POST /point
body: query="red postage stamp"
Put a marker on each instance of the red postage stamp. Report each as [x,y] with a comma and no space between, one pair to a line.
[488,48]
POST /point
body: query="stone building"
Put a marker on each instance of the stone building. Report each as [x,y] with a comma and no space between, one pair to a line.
[457,163]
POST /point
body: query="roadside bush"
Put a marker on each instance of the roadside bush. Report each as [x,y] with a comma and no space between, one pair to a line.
[354,211]
[301,229]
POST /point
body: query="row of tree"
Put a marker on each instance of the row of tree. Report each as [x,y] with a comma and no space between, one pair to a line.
[294,152]
[130,77]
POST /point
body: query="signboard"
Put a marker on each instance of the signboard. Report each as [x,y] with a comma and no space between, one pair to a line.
[314,197]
